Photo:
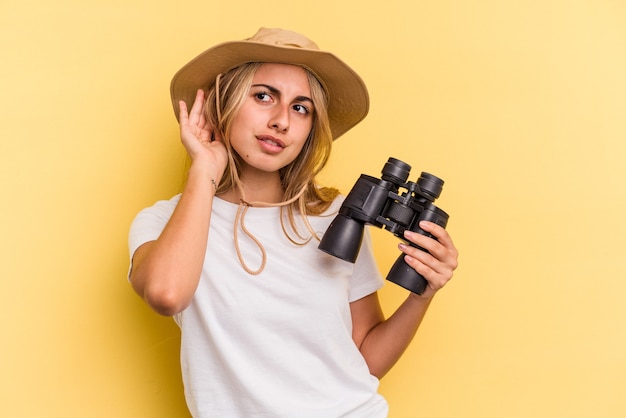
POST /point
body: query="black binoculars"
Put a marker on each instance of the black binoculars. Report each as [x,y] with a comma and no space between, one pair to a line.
[378,202]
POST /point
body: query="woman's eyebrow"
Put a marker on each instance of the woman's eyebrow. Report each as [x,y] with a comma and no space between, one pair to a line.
[275,91]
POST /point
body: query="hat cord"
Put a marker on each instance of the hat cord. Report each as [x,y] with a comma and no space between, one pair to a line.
[239,222]
[217,99]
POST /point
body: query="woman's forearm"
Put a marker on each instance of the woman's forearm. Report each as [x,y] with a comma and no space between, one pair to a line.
[387,341]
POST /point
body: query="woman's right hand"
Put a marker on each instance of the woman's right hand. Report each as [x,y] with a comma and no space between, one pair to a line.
[203,144]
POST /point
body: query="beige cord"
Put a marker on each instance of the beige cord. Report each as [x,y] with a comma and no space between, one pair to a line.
[241,212]
[217,100]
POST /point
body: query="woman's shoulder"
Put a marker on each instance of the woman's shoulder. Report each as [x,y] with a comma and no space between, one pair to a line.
[162,207]
[336,204]
[331,207]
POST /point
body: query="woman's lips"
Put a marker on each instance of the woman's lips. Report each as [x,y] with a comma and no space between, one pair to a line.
[271,144]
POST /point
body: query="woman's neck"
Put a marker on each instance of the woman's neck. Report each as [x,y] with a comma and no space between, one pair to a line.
[257,188]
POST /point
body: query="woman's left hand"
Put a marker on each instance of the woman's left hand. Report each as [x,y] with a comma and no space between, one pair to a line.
[438,262]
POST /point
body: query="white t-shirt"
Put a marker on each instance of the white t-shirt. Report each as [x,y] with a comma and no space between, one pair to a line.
[276,344]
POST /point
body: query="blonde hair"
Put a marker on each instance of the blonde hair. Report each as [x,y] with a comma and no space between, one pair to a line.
[225,98]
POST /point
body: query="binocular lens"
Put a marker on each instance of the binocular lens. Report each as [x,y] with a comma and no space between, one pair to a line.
[430,185]
[396,171]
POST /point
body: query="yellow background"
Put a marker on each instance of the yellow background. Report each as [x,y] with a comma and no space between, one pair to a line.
[519,105]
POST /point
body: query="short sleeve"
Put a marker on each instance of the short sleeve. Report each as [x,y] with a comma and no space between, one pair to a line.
[149,223]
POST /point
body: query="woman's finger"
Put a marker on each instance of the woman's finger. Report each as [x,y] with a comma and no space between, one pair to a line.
[197,114]
[183,115]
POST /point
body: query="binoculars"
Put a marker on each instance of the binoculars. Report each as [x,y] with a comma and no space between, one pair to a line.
[379,202]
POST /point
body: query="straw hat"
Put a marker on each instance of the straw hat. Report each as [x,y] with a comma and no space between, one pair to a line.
[348,100]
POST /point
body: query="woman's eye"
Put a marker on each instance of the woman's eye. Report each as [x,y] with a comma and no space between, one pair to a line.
[301,109]
[263,96]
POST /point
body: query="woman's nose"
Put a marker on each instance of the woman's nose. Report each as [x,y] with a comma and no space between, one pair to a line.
[280,119]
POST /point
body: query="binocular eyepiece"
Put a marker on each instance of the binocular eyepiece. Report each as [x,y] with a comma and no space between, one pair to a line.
[378,202]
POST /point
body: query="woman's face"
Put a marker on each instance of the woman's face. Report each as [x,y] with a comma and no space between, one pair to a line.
[275,120]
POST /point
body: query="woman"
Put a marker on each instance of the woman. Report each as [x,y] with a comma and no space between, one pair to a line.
[271,326]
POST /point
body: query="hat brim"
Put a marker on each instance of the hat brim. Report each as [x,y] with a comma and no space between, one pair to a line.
[348,99]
